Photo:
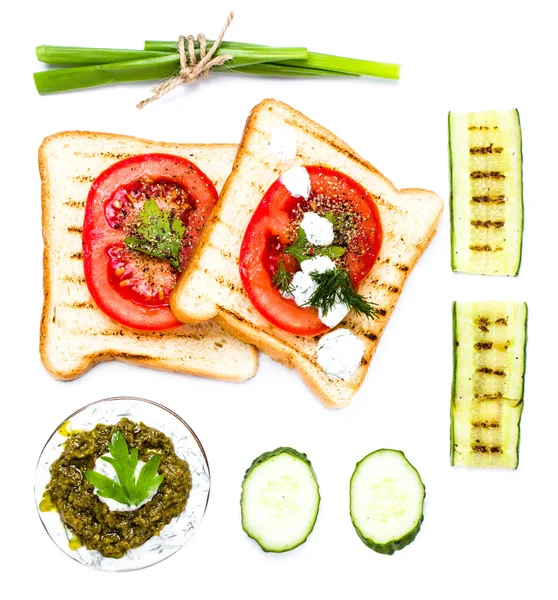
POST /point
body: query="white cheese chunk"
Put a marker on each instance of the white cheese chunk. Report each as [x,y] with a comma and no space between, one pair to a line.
[297,182]
[283,143]
[318,264]
[340,353]
[318,230]
[104,468]
[302,288]
[334,315]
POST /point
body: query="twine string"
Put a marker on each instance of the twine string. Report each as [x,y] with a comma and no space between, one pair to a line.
[190,69]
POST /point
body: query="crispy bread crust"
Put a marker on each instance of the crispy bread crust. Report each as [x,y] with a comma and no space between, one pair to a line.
[155,349]
[411,211]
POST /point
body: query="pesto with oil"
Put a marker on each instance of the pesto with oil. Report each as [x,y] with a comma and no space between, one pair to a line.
[97,527]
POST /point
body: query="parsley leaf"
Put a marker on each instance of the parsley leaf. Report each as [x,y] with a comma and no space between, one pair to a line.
[302,250]
[159,233]
[127,489]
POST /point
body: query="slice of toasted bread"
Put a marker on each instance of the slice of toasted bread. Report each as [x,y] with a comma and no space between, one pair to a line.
[75,334]
[211,286]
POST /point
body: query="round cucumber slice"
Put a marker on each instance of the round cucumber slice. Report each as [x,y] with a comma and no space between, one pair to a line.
[280,500]
[387,499]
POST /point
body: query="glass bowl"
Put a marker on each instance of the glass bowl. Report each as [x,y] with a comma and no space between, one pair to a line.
[186,445]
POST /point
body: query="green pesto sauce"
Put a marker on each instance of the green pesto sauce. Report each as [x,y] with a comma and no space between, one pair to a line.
[90,520]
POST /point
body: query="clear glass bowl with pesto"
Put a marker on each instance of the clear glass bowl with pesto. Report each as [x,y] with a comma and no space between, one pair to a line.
[122,484]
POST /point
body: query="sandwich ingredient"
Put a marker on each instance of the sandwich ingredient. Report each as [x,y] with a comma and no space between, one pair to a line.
[276,246]
[386,501]
[280,500]
[95,526]
[101,66]
[143,217]
[340,353]
[318,230]
[128,487]
[486,192]
[488,381]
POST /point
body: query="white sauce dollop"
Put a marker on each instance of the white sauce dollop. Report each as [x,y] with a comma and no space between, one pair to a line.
[318,230]
[104,468]
[297,182]
[283,143]
[303,286]
[340,353]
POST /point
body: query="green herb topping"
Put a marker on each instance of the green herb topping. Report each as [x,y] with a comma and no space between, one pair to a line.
[334,287]
[159,233]
[301,249]
[282,280]
[127,489]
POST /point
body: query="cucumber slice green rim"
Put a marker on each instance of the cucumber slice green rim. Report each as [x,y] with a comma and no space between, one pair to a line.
[280,500]
[386,501]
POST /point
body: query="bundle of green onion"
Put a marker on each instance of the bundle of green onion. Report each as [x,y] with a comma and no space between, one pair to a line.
[89,67]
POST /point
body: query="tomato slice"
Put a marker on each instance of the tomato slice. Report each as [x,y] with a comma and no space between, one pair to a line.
[128,285]
[274,227]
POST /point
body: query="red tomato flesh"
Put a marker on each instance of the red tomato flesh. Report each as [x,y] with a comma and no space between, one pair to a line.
[274,227]
[130,286]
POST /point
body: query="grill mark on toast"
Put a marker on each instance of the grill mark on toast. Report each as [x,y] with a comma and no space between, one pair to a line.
[75,203]
[111,155]
[79,305]
[74,279]
[83,178]
[393,289]
[76,255]
[137,335]
[401,267]
[75,229]
[252,327]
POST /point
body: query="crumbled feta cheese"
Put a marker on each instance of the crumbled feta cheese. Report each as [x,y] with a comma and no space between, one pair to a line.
[340,353]
[318,230]
[104,468]
[319,264]
[334,315]
[297,181]
[283,143]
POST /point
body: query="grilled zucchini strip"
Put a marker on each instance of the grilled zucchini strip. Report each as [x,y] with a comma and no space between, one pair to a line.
[488,381]
[486,192]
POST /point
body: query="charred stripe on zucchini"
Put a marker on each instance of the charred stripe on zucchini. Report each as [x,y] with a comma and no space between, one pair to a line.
[486,192]
[488,382]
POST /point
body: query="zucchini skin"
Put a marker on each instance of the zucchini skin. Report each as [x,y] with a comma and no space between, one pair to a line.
[518,249]
[262,459]
[509,404]
[391,547]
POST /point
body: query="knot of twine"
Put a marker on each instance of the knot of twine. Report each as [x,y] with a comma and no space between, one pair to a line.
[190,69]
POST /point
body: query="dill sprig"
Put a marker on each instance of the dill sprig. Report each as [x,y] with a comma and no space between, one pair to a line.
[334,287]
[282,280]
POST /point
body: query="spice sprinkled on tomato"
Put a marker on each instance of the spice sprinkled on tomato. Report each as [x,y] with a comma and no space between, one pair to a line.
[143,217]
[275,245]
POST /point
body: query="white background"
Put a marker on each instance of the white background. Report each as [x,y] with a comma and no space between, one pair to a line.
[485,534]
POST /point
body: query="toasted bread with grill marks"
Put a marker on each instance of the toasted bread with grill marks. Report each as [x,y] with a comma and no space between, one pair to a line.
[75,334]
[211,287]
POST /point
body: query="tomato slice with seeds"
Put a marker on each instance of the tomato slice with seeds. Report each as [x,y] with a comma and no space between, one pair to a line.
[274,227]
[128,285]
